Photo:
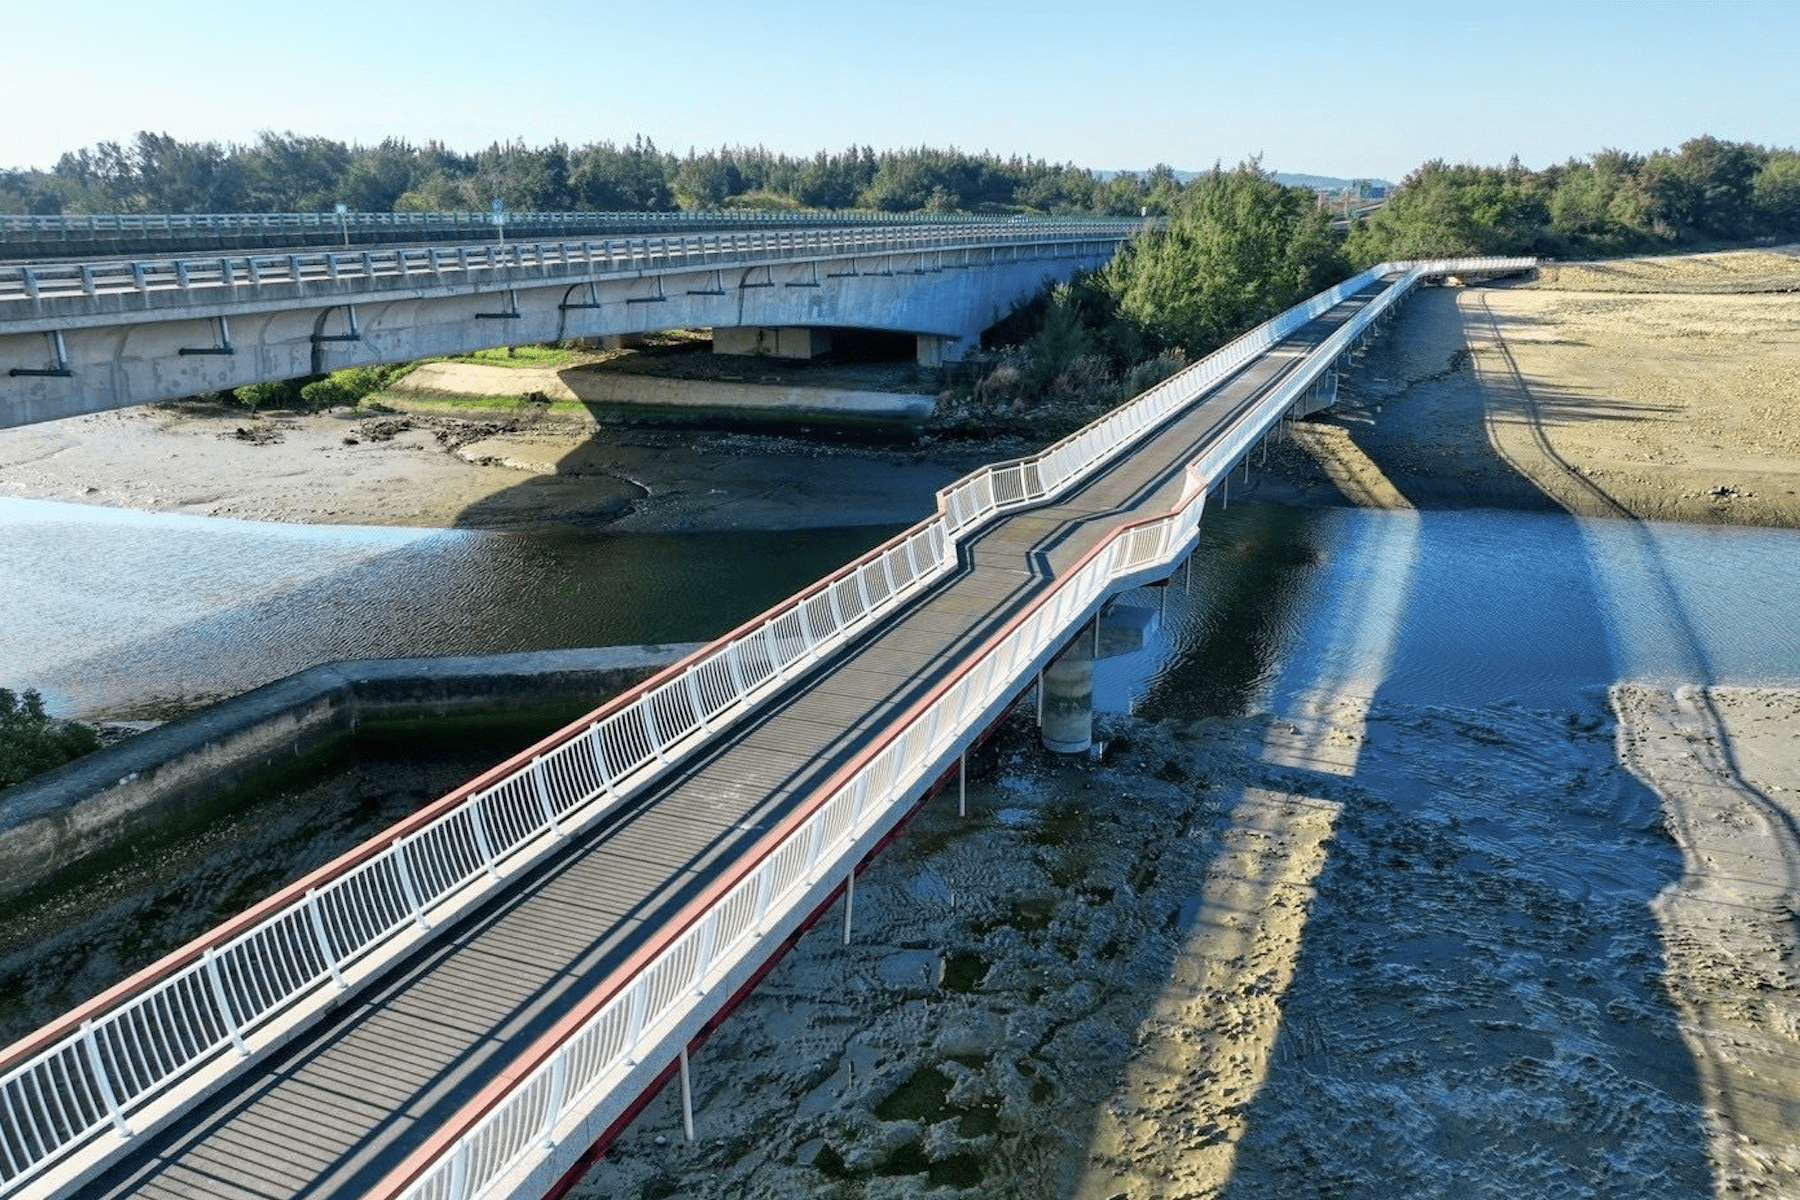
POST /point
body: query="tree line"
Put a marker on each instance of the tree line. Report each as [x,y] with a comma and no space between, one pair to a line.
[286,172]
[1709,192]
[1238,248]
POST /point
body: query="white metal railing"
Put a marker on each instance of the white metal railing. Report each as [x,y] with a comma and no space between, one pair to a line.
[423,265]
[104,1064]
[1007,485]
[1231,446]
[774,881]
[94,1075]
[635,1012]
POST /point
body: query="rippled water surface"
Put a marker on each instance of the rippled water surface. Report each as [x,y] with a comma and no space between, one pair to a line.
[110,611]
[1479,607]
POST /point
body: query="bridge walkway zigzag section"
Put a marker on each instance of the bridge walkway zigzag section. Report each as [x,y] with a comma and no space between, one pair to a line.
[332,1114]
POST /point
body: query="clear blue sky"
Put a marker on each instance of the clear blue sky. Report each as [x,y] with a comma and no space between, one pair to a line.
[1346,88]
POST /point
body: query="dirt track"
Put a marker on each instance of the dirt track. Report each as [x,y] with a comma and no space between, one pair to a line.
[1666,405]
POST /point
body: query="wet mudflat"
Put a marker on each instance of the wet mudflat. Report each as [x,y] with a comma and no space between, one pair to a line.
[1367,897]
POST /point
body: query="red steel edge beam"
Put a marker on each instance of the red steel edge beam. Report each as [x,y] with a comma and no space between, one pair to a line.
[521,1068]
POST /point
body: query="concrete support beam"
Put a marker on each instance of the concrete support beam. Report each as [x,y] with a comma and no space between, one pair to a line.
[937,350]
[1067,699]
[783,341]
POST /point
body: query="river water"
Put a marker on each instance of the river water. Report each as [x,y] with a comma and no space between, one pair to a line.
[1476,608]
[114,612]
[117,613]
[111,612]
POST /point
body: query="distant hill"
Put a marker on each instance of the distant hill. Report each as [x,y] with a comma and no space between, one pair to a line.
[1289,178]
[1322,181]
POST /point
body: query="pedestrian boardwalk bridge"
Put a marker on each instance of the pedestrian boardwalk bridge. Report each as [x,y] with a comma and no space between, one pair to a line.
[467,1004]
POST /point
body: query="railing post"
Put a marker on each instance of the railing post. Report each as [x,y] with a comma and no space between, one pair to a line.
[765,888]
[806,633]
[693,690]
[647,709]
[596,747]
[559,1084]
[459,1171]
[862,589]
[634,1027]
[536,770]
[404,871]
[773,649]
[737,670]
[102,1079]
[709,941]
[814,844]
[862,796]
[324,940]
[211,959]
[479,827]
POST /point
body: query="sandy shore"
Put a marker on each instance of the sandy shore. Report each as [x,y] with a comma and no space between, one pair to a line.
[1646,388]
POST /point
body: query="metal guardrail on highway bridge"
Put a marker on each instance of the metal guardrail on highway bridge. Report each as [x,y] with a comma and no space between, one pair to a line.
[23,226]
[129,1059]
[196,277]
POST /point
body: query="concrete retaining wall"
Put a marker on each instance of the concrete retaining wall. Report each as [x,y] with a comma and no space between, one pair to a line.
[653,391]
[96,803]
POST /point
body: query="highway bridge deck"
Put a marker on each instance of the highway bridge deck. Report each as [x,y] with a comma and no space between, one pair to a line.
[332,1114]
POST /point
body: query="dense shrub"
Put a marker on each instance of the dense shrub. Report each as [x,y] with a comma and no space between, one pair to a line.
[32,741]
[345,388]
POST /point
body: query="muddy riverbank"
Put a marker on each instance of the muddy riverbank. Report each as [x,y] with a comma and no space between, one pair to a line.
[1351,950]
[1333,942]
[508,469]
[1666,401]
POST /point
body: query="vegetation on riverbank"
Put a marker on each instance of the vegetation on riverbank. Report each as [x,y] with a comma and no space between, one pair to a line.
[32,741]
[353,385]
[1238,248]
[286,172]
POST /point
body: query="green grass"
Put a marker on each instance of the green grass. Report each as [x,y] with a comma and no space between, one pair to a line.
[519,356]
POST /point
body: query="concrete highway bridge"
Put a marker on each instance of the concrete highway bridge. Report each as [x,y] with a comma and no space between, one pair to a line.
[469,1004]
[86,334]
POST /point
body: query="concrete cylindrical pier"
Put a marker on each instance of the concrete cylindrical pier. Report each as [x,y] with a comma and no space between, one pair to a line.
[1068,683]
